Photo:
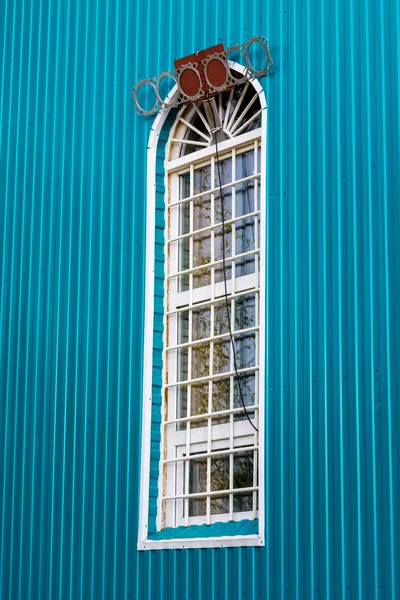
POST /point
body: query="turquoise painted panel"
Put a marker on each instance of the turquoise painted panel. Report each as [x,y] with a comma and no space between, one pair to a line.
[72,255]
[232,528]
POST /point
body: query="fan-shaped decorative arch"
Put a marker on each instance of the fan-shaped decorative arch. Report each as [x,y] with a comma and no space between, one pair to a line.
[233,112]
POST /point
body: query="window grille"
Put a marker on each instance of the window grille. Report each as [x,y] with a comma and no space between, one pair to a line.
[209,449]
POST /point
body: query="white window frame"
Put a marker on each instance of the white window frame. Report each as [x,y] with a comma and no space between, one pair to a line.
[170,166]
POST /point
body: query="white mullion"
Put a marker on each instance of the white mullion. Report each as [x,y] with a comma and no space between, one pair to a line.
[234,184]
[221,413]
[210,494]
[232,321]
[209,429]
[255,469]
[171,362]
[228,108]
[189,387]
[213,377]
[214,109]
[233,233]
[215,225]
[214,188]
[256,236]
[209,302]
[244,113]
[238,105]
[257,297]
[249,121]
[190,142]
[193,128]
[231,420]
[257,358]
[248,447]
[202,118]
[220,336]
[211,364]
[203,154]
[213,264]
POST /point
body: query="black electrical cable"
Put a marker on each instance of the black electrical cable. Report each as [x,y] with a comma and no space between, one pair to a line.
[237,376]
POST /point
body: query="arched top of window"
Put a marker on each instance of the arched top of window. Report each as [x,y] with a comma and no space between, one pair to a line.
[205,254]
[237,111]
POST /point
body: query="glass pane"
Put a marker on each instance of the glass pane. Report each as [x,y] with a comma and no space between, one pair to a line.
[227,205]
[184,186]
[184,245]
[202,179]
[220,473]
[221,323]
[221,356]
[182,366]
[245,265]
[243,465]
[181,405]
[201,212]
[244,203]
[183,327]
[243,469]
[244,164]
[201,323]
[245,350]
[221,399]
[221,395]
[219,481]
[184,261]
[219,272]
[245,235]
[219,238]
[245,312]
[245,239]
[219,505]
[200,360]
[201,256]
[184,218]
[197,484]
[201,249]
[243,502]
[247,387]
[244,200]
[225,172]
[202,277]
[199,402]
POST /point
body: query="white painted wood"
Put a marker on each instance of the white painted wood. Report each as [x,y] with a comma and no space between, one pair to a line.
[176,164]
[211,542]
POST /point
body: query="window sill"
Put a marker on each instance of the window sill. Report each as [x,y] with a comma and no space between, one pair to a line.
[218,535]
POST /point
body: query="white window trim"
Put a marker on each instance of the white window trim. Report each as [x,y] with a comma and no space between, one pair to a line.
[210,542]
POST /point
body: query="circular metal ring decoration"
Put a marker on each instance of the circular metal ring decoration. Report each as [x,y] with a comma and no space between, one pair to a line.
[189,81]
[268,61]
[202,74]
[164,102]
[240,77]
[217,72]
[135,91]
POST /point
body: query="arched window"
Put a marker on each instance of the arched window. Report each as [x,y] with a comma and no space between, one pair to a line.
[210,433]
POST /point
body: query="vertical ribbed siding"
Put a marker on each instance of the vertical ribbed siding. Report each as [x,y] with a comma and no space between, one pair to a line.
[72,222]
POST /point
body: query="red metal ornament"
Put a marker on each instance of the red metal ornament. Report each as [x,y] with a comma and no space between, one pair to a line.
[203,73]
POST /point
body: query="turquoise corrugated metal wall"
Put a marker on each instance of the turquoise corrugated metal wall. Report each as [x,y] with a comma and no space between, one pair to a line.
[72,206]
